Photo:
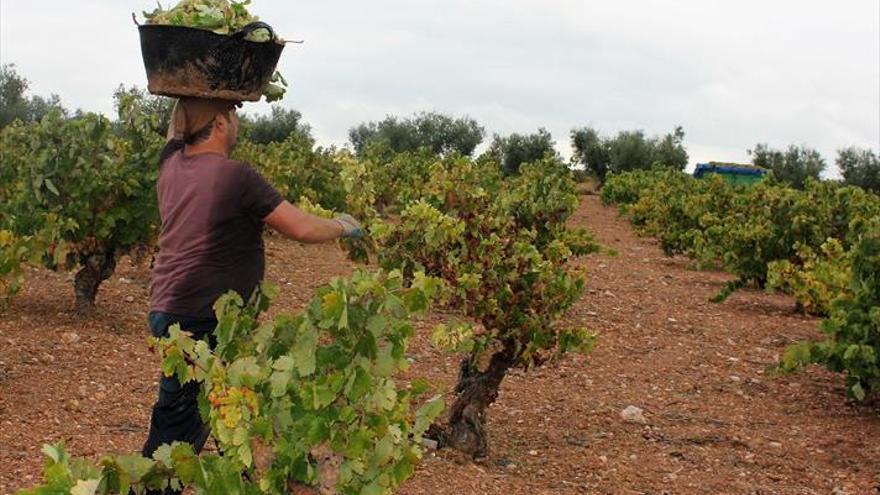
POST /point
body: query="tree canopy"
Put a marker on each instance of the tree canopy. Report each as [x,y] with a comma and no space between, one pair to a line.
[628,150]
[15,104]
[860,167]
[440,133]
[517,149]
[275,128]
[794,165]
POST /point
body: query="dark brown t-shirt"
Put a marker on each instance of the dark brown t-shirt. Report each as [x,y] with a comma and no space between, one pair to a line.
[211,242]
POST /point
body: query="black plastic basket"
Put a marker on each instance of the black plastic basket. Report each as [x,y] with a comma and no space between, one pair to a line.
[183,61]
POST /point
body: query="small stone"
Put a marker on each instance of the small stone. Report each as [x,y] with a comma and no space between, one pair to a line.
[633,414]
[672,320]
[533,453]
[775,445]
[429,444]
[129,299]
[70,337]
[735,378]
[603,458]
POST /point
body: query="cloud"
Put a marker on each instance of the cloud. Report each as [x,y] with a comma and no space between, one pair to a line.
[732,73]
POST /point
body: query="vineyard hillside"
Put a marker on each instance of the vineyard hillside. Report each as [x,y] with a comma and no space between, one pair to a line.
[715,420]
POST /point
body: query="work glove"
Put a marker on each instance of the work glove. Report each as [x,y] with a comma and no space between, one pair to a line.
[351,229]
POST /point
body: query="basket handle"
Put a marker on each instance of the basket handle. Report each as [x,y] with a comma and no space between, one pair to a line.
[250,28]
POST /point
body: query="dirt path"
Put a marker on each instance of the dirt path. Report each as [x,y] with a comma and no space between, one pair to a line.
[716,423]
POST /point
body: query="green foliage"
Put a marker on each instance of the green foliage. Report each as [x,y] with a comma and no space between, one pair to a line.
[794,166]
[541,199]
[796,240]
[860,167]
[92,181]
[302,400]
[134,101]
[315,386]
[629,150]
[820,244]
[580,175]
[771,223]
[219,16]
[298,170]
[63,475]
[441,134]
[15,252]
[16,105]
[679,210]
[514,150]
[275,128]
[397,180]
[501,246]
[591,152]
[852,330]
[669,151]
[672,206]
[626,188]
[817,279]
[402,178]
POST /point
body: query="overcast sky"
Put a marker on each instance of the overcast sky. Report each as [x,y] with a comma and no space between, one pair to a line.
[733,73]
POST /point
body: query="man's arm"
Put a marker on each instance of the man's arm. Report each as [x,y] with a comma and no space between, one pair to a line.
[300,226]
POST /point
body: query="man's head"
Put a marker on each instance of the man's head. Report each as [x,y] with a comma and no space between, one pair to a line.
[199,121]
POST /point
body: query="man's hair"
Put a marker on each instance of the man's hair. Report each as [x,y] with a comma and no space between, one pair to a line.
[193,119]
[201,135]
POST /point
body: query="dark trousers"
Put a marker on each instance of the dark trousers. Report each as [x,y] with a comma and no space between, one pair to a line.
[175,415]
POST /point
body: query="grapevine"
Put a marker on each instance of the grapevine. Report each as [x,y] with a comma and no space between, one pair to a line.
[301,401]
[502,247]
[84,182]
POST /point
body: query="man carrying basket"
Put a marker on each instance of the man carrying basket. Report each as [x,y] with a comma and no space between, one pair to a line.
[213,211]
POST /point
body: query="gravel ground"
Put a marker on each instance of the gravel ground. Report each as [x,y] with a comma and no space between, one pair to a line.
[713,420]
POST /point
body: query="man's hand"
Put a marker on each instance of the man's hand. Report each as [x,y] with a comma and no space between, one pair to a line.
[351,229]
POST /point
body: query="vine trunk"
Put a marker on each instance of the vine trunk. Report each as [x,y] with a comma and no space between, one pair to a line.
[475,392]
[96,268]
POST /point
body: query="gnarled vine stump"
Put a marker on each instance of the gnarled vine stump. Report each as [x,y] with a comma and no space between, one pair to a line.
[96,268]
[476,390]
